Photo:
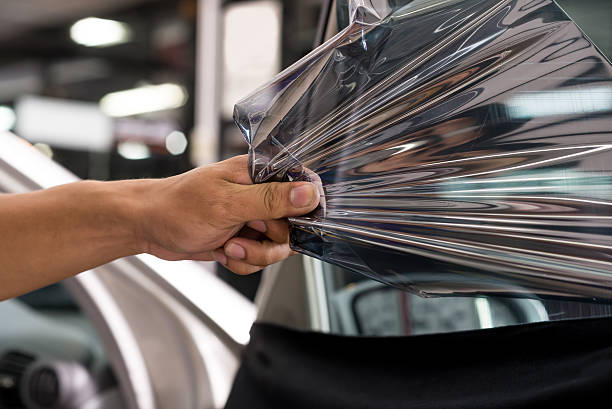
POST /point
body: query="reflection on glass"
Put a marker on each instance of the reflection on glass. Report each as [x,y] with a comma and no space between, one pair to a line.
[462,147]
[362,307]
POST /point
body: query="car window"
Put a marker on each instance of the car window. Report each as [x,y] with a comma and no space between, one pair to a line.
[361,306]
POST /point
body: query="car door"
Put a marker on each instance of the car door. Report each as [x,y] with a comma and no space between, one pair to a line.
[316,299]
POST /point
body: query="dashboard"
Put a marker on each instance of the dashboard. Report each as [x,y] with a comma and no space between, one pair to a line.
[51,356]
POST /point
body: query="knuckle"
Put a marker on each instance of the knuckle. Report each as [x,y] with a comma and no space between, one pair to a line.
[220,207]
[244,269]
[271,198]
[272,255]
[266,259]
[225,204]
[239,161]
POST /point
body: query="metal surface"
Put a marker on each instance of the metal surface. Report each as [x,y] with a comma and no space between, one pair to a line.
[283,297]
[469,141]
[317,297]
[189,364]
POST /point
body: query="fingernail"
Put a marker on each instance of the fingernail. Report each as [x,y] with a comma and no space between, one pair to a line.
[235,251]
[258,225]
[219,257]
[302,196]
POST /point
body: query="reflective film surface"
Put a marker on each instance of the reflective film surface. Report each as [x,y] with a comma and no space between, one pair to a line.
[461,147]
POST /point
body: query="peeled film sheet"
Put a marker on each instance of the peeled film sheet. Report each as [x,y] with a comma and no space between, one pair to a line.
[460,147]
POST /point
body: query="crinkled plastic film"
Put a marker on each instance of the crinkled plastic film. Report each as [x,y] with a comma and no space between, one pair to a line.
[460,147]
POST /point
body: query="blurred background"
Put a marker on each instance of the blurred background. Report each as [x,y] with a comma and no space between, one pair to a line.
[120,89]
[114,89]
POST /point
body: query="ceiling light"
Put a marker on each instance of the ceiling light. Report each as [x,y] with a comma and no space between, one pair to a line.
[97,32]
[7,118]
[142,100]
[579,101]
[176,143]
[133,150]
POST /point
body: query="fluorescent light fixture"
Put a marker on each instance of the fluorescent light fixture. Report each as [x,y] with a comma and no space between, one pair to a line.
[133,150]
[560,102]
[64,123]
[7,118]
[97,32]
[176,143]
[142,100]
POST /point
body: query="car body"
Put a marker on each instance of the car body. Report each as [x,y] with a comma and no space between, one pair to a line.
[170,332]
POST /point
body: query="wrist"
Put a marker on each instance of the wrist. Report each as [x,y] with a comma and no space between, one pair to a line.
[122,207]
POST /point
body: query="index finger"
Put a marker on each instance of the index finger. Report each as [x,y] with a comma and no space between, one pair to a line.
[275,230]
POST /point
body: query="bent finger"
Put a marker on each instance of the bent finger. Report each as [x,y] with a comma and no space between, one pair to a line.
[275,230]
[259,253]
[242,268]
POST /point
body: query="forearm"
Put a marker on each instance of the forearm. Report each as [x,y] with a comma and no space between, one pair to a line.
[52,234]
[49,235]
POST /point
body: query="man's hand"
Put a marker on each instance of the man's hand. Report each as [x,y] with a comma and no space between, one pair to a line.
[215,212]
[211,212]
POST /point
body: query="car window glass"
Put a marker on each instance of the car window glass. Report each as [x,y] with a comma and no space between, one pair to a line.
[360,306]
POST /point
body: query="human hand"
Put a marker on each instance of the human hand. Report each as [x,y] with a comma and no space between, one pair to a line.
[215,212]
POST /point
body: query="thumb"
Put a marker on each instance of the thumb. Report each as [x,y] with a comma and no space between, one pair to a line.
[276,200]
